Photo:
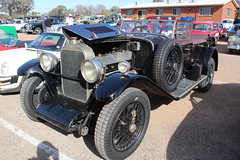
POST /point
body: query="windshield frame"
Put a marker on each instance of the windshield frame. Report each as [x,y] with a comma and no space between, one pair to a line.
[55,48]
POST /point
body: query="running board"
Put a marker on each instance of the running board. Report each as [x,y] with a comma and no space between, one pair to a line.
[185,86]
[61,112]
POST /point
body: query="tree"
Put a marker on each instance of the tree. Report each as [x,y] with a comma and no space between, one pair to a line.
[60,10]
[101,10]
[35,13]
[12,7]
[8,6]
[25,6]
[85,10]
[115,10]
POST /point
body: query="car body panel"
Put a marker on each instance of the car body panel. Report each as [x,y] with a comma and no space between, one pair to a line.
[233,30]
[227,23]
[234,41]
[11,60]
[206,28]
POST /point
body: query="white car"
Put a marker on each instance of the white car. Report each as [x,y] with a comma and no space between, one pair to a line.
[11,60]
[227,23]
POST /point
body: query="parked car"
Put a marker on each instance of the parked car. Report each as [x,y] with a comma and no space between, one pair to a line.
[9,40]
[206,28]
[227,23]
[57,27]
[11,60]
[89,19]
[20,25]
[234,42]
[219,27]
[233,30]
[36,27]
[103,76]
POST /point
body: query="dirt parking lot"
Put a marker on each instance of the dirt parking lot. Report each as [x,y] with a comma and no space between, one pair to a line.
[25,36]
[200,126]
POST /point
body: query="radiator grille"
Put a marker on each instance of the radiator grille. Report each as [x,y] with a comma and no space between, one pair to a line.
[70,66]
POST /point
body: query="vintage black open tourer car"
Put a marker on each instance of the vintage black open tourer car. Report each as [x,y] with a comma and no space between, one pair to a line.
[102,79]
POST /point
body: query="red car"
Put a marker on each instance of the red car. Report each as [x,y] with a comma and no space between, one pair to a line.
[203,28]
[219,27]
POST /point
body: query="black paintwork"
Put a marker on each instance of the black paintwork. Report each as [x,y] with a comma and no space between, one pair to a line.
[64,112]
[61,111]
[91,31]
[33,67]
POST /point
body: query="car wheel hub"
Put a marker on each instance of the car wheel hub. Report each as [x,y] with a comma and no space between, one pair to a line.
[132,128]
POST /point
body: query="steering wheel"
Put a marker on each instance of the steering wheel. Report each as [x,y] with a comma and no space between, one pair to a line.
[142,28]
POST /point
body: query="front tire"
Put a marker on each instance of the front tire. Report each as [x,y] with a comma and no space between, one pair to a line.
[122,124]
[31,97]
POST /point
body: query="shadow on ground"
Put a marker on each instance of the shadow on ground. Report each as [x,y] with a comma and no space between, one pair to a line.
[46,151]
[210,130]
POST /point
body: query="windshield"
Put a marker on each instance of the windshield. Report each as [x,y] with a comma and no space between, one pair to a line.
[163,27]
[201,27]
[48,41]
[227,21]
[7,40]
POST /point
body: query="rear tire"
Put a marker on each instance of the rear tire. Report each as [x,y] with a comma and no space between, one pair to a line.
[168,64]
[122,124]
[38,30]
[22,30]
[207,83]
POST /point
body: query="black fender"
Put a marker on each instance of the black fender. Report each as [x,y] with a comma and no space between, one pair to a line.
[209,53]
[116,83]
[33,67]
[30,67]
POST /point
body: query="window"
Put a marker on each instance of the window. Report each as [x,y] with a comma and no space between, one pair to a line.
[159,12]
[129,12]
[228,12]
[206,11]
[176,11]
[142,13]
[227,21]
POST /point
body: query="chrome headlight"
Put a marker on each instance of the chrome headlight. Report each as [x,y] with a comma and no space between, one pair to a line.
[4,68]
[92,70]
[124,67]
[48,61]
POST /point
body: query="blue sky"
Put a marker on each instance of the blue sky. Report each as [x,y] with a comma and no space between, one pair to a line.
[44,6]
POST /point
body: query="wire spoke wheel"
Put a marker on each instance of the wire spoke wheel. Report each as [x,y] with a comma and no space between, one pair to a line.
[128,126]
[207,83]
[122,124]
[172,67]
[168,64]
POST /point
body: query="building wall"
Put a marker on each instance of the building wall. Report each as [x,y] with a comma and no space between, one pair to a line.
[219,12]
[224,8]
